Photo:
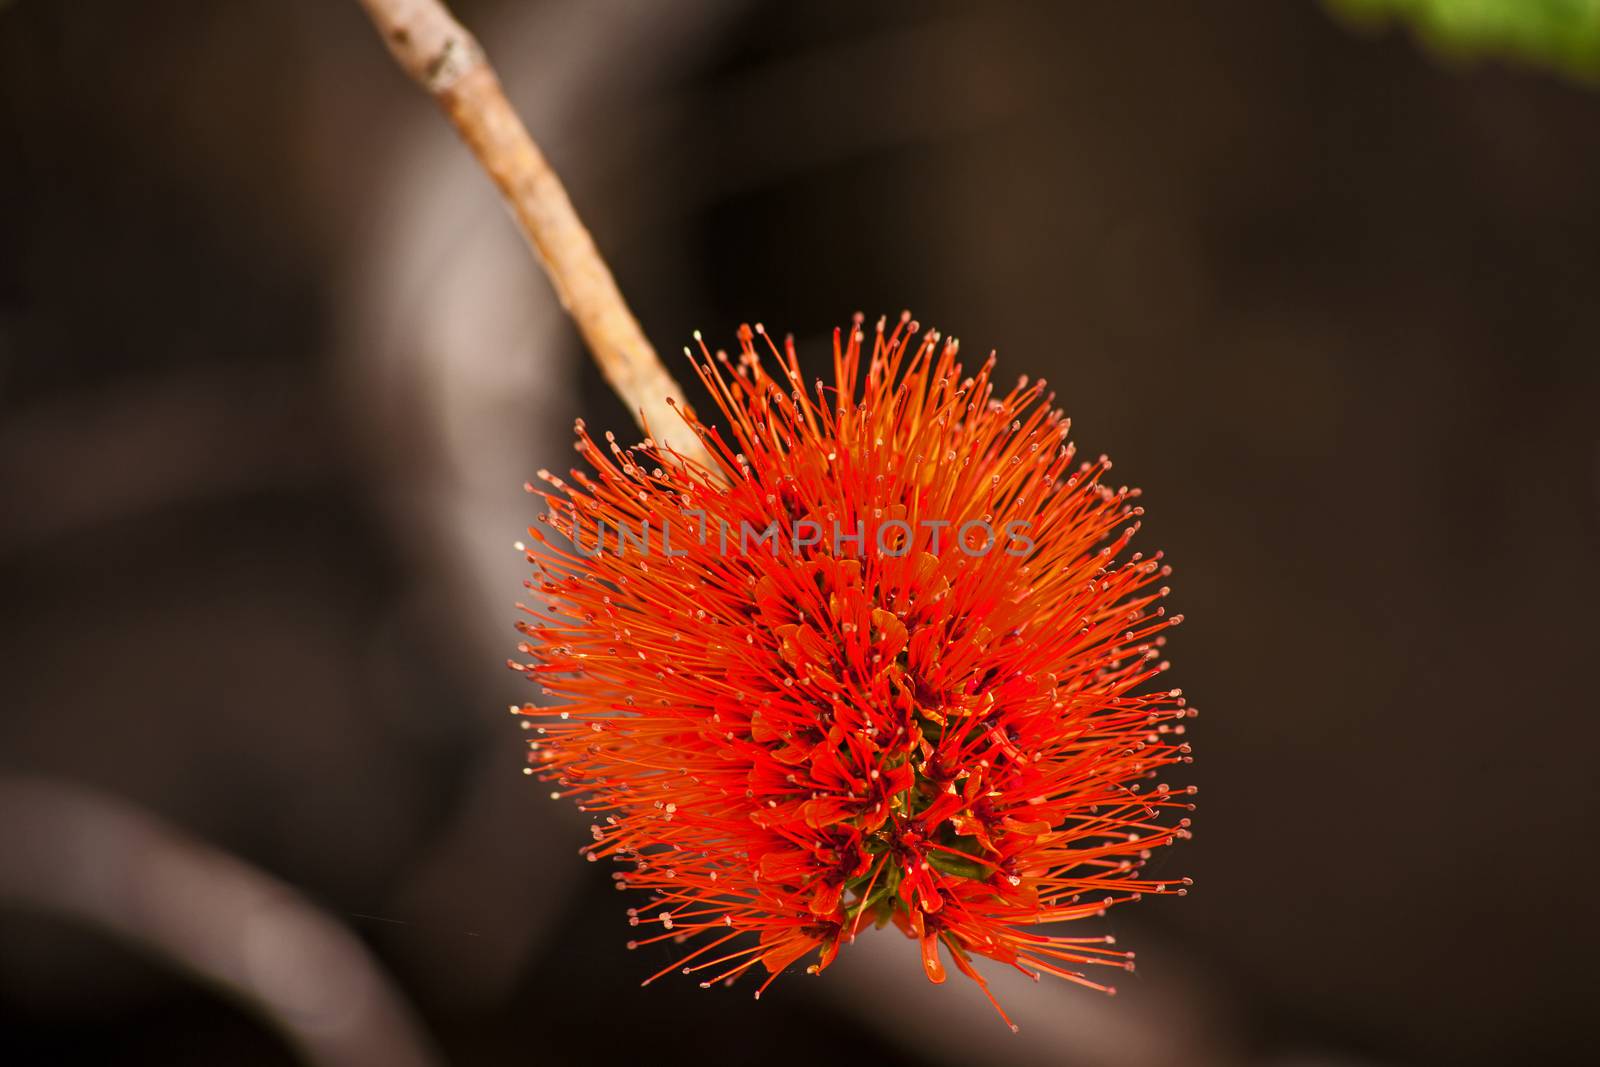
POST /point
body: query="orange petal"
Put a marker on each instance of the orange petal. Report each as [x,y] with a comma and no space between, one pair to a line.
[930,958]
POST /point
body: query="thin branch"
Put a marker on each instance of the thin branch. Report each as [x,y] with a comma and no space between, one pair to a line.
[72,852]
[442,57]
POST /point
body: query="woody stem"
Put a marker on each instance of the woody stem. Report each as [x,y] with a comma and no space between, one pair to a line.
[444,58]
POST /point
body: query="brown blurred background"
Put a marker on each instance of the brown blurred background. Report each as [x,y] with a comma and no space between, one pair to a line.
[274,365]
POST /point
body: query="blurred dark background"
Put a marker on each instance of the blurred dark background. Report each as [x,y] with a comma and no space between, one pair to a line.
[274,365]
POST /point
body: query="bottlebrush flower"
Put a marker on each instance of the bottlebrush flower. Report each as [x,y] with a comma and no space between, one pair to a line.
[927,701]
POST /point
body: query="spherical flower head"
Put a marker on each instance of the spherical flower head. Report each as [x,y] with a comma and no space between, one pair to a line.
[892,661]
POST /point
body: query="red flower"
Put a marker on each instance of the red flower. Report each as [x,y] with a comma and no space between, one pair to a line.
[889,663]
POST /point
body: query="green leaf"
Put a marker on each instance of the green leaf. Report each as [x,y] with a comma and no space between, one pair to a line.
[1563,35]
[960,866]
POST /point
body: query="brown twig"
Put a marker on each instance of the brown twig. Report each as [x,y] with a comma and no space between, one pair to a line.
[442,57]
